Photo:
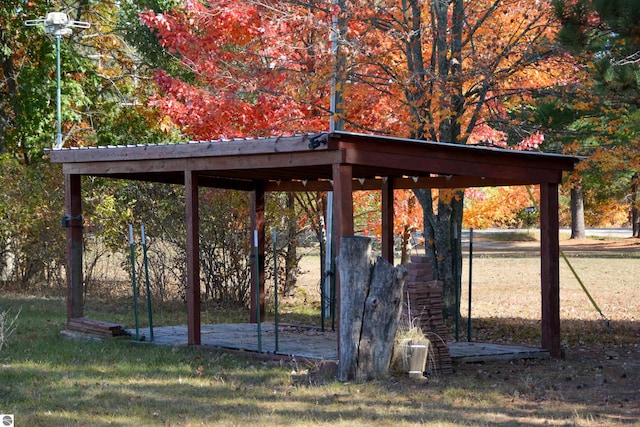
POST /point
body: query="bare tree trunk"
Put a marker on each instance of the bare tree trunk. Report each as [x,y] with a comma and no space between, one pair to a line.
[577,213]
[291,255]
[404,245]
[442,229]
[441,225]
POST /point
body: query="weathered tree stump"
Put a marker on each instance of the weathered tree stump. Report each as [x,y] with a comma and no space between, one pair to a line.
[370,306]
[354,267]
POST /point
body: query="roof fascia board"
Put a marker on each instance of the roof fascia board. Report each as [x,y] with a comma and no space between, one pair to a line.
[443,150]
[238,147]
[415,164]
[224,163]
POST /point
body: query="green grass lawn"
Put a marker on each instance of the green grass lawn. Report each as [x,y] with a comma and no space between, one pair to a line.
[49,381]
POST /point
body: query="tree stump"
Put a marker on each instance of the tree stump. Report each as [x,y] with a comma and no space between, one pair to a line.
[354,267]
[370,306]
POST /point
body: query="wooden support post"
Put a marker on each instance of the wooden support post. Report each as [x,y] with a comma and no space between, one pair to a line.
[73,223]
[257,223]
[387,220]
[192,218]
[550,268]
[342,201]
[342,218]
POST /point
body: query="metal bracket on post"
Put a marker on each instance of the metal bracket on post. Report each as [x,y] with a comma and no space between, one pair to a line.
[66,218]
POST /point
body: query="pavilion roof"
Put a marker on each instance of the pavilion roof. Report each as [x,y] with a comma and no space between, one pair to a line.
[304,162]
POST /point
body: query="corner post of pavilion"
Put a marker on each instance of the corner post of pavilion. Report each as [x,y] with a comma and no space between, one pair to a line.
[550,267]
[343,216]
[192,221]
[72,221]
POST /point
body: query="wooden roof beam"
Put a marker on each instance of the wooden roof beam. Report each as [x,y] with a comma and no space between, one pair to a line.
[398,183]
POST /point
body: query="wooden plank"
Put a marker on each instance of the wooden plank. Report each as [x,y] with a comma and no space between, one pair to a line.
[95,328]
[445,164]
[192,219]
[343,220]
[447,151]
[97,324]
[417,182]
[225,163]
[343,200]
[240,147]
[476,352]
[454,181]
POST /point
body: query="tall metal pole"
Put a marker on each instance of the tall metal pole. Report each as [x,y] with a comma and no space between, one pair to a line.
[58,24]
[58,95]
[456,278]
[257,255]
[336,123]
[275,285]
[470,283]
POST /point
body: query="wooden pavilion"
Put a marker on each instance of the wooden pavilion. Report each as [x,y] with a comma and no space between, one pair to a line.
[340,162]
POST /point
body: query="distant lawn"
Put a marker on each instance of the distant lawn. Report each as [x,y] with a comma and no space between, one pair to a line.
[510,236]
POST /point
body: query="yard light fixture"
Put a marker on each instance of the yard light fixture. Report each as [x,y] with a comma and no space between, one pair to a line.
[58,24]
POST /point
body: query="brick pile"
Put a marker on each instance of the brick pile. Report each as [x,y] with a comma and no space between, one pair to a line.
[423,308]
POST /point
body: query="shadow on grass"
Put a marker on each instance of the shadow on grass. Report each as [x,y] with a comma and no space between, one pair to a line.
[49,381]
[573,332]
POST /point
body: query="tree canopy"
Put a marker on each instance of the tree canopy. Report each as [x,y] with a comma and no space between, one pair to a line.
[560,75]
[445,71]
[600,117]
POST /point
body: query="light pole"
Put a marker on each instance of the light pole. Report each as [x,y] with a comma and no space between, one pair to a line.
[58,24]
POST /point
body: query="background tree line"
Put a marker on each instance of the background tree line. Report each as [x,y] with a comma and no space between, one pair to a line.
[557,76]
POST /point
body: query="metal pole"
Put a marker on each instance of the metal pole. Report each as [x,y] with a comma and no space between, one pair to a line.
[336,123]
[146,277]
[455,279]
[470,281]
[58,95]
[328,261]
[133,279]
[255,240]
[275,283]
[322,307]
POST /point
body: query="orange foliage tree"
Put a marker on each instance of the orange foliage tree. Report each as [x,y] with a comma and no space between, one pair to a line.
[441,70]
[503,207]
[407,218]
